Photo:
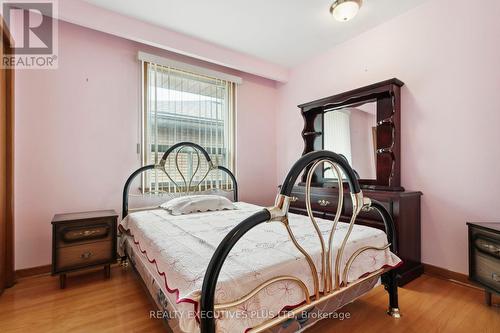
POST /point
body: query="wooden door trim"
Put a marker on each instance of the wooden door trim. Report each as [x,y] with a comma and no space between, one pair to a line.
[7,277]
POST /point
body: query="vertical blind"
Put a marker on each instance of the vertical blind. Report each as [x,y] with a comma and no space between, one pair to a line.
[337,135]
[184,106]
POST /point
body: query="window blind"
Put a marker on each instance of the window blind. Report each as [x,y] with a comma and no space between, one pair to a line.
[185,106]
[337,135]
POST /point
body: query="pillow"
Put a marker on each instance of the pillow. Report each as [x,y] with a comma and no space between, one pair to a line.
[216,191]
[197,203]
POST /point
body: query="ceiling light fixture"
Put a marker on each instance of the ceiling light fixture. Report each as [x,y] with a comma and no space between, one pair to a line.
[344,10]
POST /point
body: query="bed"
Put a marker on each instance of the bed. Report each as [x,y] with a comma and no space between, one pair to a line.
[255,269]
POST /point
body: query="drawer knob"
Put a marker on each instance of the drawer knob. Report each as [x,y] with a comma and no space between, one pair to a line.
[89,232]
[495,277]
[86,255]
[323,202]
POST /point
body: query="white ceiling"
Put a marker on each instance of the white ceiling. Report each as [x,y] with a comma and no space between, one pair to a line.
[284,32]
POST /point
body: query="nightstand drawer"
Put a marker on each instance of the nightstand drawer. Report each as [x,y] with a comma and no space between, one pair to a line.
[489,247]
[72,257]
[487,271]
[84,232]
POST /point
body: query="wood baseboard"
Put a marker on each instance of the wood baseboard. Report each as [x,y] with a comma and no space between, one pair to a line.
[448,275]
[45,269]
[428,269]
[27,272]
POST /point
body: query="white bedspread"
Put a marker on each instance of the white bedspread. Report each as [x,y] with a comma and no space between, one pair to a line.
[181,248]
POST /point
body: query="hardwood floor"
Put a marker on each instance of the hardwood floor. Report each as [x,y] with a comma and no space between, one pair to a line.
[88,304]
[92,304]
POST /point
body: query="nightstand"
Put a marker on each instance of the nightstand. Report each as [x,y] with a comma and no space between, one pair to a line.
[484,257]
[83,240]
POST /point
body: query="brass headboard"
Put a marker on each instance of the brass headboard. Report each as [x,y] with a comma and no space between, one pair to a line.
[187,183]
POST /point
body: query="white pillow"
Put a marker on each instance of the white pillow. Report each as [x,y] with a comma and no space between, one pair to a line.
[197,203]
[216,191]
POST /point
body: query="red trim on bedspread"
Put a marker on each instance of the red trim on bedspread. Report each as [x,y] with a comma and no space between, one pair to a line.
[195,303]
[170,290]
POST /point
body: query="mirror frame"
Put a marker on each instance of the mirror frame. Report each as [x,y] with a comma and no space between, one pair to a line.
[388,98]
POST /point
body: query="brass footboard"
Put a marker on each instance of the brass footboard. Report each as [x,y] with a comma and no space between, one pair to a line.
[327,275]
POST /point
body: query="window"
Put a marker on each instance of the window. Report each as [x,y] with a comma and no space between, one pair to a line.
[180,105]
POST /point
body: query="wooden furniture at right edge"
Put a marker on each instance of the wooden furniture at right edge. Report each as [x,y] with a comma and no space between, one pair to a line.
[384,186]
[484,257]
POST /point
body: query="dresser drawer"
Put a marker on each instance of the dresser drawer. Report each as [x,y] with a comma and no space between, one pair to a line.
[73,257]
[84,232]
[319,203]
[328,204]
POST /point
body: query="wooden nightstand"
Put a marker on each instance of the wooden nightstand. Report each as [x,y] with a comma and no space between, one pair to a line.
[83,240]
[484,257]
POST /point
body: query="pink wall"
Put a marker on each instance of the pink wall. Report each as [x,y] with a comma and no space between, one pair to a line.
[77,129]
[448,56]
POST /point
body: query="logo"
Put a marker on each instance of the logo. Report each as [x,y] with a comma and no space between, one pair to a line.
[32,26]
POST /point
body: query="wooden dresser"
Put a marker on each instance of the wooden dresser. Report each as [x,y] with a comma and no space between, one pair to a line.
[484,257]
[403,206]
[372,147]
[83,240]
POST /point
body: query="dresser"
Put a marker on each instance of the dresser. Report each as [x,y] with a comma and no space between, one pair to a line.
[83,240]
[363,126]
[404,208]
[484,257]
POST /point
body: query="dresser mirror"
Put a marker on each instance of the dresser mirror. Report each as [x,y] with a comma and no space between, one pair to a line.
[351,131]
[363,125]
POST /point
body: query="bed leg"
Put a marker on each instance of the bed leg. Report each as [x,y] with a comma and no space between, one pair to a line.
[124,263]
[390,281]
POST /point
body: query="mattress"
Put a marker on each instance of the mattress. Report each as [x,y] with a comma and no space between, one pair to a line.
[176,251]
